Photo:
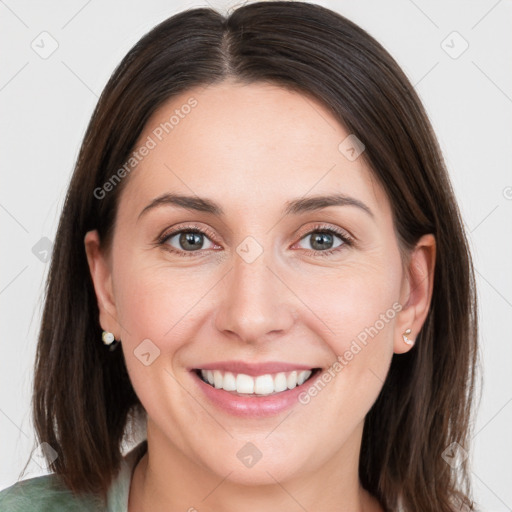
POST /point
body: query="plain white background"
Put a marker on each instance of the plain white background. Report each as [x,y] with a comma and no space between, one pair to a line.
[46,104]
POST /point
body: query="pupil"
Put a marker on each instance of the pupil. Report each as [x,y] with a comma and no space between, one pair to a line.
[322,240]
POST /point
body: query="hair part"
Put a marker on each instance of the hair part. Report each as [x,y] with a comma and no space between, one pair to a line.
[83,397]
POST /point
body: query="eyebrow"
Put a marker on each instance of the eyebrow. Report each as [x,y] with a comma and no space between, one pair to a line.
[293,207]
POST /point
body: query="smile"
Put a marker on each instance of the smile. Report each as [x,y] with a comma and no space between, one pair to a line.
[261,385]
[253,390]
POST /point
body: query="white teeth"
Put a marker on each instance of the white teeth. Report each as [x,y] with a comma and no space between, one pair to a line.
[264,385]
[301,378]
[244,383]
[260,385]
[292,380]
[217,379]
[280,382]
[229,382]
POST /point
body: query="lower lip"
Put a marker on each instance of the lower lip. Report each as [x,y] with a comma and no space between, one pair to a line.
[253,405]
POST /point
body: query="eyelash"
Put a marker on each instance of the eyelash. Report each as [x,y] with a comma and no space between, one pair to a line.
[347,239]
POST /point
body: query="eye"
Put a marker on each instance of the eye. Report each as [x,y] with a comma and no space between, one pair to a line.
[185,242]
[322,240]
[190,241]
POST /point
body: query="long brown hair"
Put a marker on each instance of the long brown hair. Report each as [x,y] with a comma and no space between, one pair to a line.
[82,395]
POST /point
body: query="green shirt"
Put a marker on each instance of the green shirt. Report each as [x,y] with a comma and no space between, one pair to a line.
[46,493]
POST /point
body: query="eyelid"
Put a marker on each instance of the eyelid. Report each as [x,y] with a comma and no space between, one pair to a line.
[322,226]
[178,228]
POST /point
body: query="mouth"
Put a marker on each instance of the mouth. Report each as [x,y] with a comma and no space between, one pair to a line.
[263,385]
[254,389]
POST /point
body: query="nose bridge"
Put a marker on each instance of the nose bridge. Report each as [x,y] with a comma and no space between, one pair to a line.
[255,302]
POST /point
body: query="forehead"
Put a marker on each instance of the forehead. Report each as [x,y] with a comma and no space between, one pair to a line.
[256,142]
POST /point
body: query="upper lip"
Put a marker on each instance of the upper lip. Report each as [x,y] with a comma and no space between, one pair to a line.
[253,369]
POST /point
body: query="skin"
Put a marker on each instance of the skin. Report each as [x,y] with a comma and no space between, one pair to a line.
[251,148]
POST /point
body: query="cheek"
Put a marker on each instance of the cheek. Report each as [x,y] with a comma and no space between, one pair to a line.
[153,298]
[356,313]
[155,306]
[355,309]
[353,300]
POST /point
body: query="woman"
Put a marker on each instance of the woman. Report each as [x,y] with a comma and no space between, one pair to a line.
[260,217]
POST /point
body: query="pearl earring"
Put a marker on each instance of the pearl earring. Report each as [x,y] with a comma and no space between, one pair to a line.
[406,339]
[109,339]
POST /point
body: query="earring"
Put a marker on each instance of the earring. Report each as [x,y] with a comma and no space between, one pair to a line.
[406,339]
[109,339]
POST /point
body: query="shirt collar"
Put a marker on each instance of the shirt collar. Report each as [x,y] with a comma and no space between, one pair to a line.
[119,491]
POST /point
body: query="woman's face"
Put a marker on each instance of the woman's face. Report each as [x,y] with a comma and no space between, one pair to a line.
[278,280]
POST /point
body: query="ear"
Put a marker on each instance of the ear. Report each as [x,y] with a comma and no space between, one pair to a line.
[101,275]
[416,292]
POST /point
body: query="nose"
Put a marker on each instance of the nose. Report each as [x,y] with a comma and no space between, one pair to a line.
[256,304]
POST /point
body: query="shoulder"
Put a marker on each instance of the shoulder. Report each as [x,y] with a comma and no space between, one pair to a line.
[44,494]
